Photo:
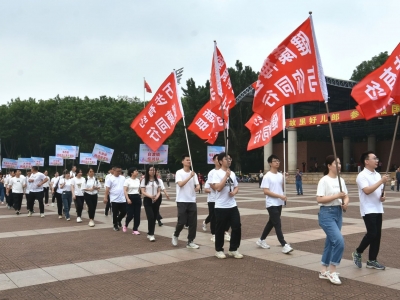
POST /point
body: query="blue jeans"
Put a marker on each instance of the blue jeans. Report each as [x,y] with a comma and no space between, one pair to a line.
[299,187]
[2,193]
[67,200]
[330,220]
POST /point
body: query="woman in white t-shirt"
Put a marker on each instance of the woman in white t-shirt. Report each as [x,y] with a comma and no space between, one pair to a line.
[52,185]
[151,191]
[46,188]
[66,196]
[133,200]
[332,202]
[91,188]
[77,193]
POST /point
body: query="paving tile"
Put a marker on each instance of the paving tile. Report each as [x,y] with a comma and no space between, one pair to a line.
[65,272]
[30,277]
[158,258]
[130,262]
[6,283]
[99,267]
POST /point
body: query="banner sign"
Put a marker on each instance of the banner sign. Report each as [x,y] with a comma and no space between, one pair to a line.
[87,159]
[148,156]
[56,161]
[25,163]
[38,161]
[102,153]
[211,151]
[8,163]
[66,152]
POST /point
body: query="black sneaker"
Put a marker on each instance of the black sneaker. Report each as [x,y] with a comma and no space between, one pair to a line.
[357,259]
[17,212]
[119,224]
[373,264]
[160,223]
[116,228]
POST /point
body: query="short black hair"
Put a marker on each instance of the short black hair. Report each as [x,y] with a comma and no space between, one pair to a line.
[185,155]
[35,168]
[215,155]
[271,157]
[221,156]
[364,157]
[117,167]
[131,170]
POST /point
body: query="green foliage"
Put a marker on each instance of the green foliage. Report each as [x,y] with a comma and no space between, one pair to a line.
[368,66]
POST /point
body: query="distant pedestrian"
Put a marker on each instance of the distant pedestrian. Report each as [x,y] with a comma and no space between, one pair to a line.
[37,179]
[17,184]
[66,195]
[77,186]
[133,200]
[299,182]
[91,188]
[260,178]
[46,186]
[392,184]
[398,178]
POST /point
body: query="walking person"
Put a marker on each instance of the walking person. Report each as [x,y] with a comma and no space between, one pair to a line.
[108,204]
[299,182]
[398,178]
[77,185]
[46,186]
[27,189]
[52,185]
[168,178]
[370,190]
[17,185]
[151,191]
[37,179]
[163,190]
[2,189]
[260,178]
[115,192]
[66,196]
[133,200]
[72,173]
[332,202]
[275,198]
[9,196]
[57,192]
[91,188]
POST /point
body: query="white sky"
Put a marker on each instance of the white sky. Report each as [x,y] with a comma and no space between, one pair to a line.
[98,47]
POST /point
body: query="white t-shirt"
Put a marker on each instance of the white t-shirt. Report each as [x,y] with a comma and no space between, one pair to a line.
[116,186]
[273,182]
[78,185]
[66,187]
[222,198]
[53,181]
[28,185]
[371,203]
[16,184]
[72,174]
[210,195]
[186,193]
[151,187]
[162,186]
[38,177]
[328,186]
[47,183]
[89,183]
[57,182]
[133,186]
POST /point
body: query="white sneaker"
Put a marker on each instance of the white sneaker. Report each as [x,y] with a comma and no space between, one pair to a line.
[60,217]
[235,254]
[174,240]
[192,245]
[78,220]
[91,223]
[286,249]
[185,227]
[262,244]
[52,204]
[324,275]
[204,226]
[152,238]
[213,238]
[42,215]
[227,237]
[334,278]
[220,254]
[29,214]
[68,219]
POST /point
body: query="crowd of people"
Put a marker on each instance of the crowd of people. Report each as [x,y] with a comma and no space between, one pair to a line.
[124,196]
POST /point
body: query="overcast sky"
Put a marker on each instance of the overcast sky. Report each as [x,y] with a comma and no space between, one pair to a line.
[98,47]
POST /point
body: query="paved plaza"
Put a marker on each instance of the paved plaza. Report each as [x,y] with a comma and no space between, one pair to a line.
[56,259]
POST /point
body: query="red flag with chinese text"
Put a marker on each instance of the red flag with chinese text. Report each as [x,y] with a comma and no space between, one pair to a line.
[221,92]
[396,89]
[147,87]
[292,73]
[156,122]
[262,131]
[373,92]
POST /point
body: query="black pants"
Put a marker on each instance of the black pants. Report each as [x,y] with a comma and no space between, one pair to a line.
[79,201]
[119,212]
[17,200]
[168,182]
[211,216]
[91,201]
[274,222]
[53,198]
[223,217]
[151,210]
[187,214]
[27,200]
[46,195]
[398,185]
[59,203]
[373,223]
[10,199]
[159,217]
[108,206]
[36,196]
[133,211]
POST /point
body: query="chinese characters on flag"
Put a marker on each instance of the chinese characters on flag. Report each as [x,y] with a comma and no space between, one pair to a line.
[262,130]
[147,87]
[157,120]
[373,93]
[292,73]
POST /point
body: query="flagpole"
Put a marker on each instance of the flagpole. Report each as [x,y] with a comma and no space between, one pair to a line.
[144,92]
[391,151]
[284,149]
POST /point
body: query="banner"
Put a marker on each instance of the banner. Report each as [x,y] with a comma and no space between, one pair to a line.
[87,159]
[148,156]
[102,153]
[25,163]
[56,161]
[8,163]
[38,161]
[211,151]
[66,152]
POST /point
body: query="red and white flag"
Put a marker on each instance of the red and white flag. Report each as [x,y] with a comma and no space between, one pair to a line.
[147,87]
[262,131]
[373,93]
[292,73]
[221,92]
[156,122]
[396,89]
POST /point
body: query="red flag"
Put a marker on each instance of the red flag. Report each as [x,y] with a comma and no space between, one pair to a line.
[262,131]
[373,93]
[206,122]
[292,73]
[221,92]
[396,89]
[147,87]
[157,120]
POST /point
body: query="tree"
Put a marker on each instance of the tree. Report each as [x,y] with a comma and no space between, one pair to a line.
[368,66]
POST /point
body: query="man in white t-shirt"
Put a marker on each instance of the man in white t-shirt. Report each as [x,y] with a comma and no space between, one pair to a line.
[226,211]
[115,189]
[272,184]
[9,196]
[370,190]
[36,180]
[187,185]
[17,184]
[108,204]
[72,173]
[260,177]
[52,185]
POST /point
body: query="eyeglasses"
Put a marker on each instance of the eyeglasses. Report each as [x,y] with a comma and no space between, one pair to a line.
[277,161]
[374,158]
